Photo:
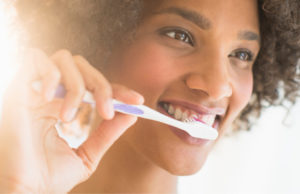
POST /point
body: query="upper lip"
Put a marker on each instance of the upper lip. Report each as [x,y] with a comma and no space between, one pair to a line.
[198,108]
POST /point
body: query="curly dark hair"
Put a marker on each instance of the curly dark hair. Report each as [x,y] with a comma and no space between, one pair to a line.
[92,28]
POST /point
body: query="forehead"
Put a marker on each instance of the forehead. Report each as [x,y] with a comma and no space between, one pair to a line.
[222,14]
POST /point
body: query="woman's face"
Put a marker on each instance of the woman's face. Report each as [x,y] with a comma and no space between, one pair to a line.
[194,58]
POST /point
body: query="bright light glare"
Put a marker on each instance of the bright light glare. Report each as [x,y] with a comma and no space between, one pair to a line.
[8,45]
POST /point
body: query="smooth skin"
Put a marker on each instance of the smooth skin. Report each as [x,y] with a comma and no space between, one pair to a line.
[36,158]
[211,68]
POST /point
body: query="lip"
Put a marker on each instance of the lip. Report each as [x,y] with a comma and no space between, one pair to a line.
[200,109]
[184,136]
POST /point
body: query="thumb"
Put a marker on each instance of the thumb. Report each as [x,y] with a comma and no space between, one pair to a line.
[92,150]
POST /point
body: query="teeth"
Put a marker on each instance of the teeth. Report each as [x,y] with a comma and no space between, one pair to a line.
[209,119]
[188,115]
[171,110]
[194,116]
[184,116]
[178,114]
[166,106]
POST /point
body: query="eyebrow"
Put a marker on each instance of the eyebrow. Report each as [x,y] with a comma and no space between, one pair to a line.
[192,16]
[248,35]
[204,23]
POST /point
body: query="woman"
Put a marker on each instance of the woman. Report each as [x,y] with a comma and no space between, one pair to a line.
[204,58]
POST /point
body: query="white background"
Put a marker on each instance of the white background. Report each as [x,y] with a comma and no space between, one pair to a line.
[263,161]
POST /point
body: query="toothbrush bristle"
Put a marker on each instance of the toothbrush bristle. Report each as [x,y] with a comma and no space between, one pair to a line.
[189,120]
[193,121]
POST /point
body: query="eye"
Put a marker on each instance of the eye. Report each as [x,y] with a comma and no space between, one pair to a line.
[242,54]
[179,34]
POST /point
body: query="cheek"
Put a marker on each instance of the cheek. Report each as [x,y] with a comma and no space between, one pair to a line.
[244,89]
[242,94]
[147,66]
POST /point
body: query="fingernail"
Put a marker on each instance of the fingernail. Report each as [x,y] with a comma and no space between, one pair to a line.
[141,99]
[70,115]
[109,109]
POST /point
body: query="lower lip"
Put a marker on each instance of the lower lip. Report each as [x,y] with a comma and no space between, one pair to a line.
[184,136]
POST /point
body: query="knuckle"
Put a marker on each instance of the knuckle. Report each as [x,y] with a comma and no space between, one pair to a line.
[105,92]
[64,52]
[82,63]
[78,91]
[103,87]
[55,74]
[62,55]
[79,58]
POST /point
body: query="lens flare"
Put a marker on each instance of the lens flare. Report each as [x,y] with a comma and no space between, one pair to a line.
[8,45]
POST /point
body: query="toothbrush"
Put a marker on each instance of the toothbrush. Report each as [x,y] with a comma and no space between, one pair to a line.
[195,128]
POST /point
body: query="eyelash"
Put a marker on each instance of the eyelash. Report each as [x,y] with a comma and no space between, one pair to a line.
[179,34]
[247,57]
[186,37]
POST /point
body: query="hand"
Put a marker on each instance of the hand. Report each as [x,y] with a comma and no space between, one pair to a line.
[33,157]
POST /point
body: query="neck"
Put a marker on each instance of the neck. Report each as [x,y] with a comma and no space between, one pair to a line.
[123,170]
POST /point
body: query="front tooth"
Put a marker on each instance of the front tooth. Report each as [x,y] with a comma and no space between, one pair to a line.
[184,116]
[166,106]
[171,110]
[178,114]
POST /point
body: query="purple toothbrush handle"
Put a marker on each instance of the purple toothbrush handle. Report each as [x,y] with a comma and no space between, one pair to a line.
[125,108]
[60,91]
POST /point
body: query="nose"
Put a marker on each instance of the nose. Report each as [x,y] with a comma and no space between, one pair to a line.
[211,78]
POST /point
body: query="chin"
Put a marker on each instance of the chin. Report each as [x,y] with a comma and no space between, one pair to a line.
[165,150]
[185,168]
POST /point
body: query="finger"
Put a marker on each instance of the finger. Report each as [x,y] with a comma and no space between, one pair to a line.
[49,110]
[101,139]
[36,66]
[48,72]
[126,95]
[50,83]
[97,84]
[73,82]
